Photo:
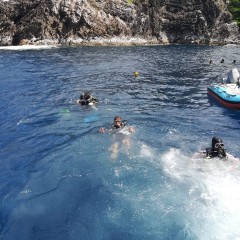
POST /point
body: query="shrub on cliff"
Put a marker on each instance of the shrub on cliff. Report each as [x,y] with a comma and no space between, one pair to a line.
[234,8]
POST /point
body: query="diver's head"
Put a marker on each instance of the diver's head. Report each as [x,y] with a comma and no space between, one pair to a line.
[86,97]
[218,147]
[217,143]
[117,122]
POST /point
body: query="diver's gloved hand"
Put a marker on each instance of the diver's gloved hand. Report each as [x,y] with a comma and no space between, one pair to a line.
[102,130]
[131,129]
[222,153]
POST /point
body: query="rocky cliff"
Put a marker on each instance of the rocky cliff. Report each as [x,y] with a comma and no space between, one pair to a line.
[116,22]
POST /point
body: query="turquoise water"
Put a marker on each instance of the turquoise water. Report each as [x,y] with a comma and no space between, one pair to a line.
[62,179]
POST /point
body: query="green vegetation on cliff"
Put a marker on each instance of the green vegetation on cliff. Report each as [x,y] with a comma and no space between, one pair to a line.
[234,8]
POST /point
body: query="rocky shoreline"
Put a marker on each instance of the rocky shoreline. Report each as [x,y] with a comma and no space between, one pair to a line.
[114,41]
[116,22]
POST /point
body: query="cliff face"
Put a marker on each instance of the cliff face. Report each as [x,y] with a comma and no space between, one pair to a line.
[111,21]
[198,21]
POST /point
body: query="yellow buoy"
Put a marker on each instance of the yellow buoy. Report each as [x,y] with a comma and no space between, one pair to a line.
[136,74]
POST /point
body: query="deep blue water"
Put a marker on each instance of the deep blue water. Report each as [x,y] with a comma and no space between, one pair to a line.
[59,178]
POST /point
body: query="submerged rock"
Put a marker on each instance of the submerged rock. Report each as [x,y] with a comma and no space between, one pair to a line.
[116,22]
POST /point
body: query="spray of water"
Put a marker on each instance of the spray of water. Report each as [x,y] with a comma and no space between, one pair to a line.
[211,208]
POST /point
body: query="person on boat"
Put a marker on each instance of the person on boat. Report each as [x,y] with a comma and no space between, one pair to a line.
[222,61]
[118,123]
[233,76]
[87,99]
[217,149]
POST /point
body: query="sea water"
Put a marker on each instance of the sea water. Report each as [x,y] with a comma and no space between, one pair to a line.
[62,179]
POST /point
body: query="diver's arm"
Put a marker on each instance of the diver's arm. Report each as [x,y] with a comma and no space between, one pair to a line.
[208,152]
[224,153]
[102,130]
[94,100]
[131,129]
[82,102]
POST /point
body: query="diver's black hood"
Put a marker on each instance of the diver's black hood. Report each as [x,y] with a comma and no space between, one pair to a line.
[216,140]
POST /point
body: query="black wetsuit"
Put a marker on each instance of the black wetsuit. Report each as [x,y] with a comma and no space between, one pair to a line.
[221,153]
[87,101]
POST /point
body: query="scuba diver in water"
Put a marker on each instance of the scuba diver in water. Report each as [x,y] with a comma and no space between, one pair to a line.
[118,123]
[124,141]
[217,149]
[87,99]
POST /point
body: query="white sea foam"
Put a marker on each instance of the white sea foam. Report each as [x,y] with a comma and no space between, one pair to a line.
[27,47]
[212,207]
[146,151]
